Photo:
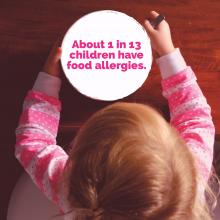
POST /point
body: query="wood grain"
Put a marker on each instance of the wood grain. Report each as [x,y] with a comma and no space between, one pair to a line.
[29,28]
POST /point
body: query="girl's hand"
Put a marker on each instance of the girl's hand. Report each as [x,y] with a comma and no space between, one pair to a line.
[160,37]
[52,64]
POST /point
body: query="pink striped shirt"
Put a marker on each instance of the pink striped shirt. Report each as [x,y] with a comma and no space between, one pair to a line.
[44,161]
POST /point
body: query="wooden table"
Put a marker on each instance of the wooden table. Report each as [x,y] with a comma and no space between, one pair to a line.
[29,28]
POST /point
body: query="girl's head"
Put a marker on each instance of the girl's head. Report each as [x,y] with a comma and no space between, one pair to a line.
[127,162]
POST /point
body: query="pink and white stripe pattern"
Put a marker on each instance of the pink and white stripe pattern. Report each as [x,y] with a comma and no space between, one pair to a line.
[191,116]
[36,147]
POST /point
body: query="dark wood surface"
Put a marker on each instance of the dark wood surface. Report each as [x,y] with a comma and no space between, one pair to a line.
[29,28]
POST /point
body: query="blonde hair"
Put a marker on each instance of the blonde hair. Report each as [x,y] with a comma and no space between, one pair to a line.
[127,162]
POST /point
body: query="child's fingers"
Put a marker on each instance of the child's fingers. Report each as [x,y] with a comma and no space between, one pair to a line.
[153,14]
[57,55]
[150,30]
[56,50]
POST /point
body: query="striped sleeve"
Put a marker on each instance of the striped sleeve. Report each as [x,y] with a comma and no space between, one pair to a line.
[191,116]
[36,147]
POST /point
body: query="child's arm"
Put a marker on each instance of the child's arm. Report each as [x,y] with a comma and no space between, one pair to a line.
[189,111]
[36,133]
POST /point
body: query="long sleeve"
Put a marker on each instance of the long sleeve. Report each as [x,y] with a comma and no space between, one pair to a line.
[189,111]
[36,133]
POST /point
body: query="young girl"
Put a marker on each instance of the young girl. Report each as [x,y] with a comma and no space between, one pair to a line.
[126,161]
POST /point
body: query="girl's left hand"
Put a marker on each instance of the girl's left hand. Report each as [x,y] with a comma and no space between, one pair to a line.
[52,65]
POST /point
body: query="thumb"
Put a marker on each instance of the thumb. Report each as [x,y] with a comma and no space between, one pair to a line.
[58,54]
[150,30]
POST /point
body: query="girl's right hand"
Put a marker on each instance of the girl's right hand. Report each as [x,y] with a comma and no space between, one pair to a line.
[52,65]
[160,37]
